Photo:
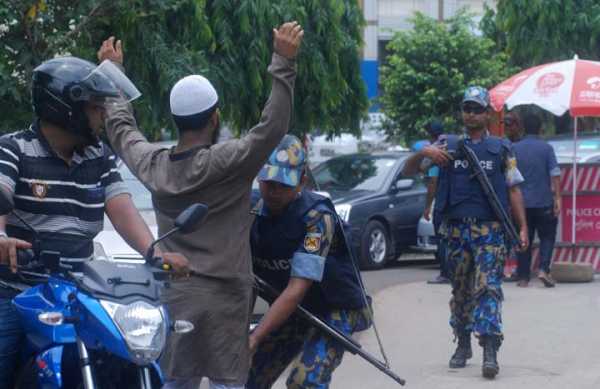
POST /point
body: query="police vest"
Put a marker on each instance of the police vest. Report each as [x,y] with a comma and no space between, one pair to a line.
[274,241]
[460,194]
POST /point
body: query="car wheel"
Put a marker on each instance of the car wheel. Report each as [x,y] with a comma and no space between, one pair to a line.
[375,246]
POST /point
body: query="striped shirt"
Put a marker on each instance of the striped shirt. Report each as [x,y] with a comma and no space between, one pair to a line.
[64,203]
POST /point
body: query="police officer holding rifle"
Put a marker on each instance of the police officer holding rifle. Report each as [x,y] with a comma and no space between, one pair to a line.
[478,187]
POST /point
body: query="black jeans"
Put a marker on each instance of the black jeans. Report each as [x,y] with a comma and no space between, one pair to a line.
[544,222]
[11,336]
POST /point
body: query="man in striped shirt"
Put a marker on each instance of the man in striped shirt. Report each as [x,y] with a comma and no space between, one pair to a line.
[62,180]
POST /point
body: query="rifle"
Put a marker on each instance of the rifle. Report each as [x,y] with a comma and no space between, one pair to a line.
[270,293]
[489,192]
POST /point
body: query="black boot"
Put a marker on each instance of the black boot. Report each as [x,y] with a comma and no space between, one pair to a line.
[463,351]
[491,344]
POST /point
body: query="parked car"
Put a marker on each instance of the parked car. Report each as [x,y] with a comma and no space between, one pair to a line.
[426,238]
[382,207]
[320,148]
[588,148]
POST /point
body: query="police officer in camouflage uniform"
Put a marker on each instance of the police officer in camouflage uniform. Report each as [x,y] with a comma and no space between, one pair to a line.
[298,248]
[475,239]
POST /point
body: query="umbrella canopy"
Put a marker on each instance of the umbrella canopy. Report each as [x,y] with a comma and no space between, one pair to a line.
[557,87]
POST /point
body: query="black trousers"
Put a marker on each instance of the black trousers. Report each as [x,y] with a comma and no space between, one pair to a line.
[544,222]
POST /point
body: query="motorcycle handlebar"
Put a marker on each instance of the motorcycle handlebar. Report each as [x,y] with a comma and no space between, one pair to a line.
[158,263]
[25,257]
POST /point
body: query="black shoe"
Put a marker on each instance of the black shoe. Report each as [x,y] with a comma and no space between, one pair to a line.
[462,353]
[439,280]
[491,344]
[546,279]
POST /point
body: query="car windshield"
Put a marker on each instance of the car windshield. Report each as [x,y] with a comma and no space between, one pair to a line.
[354,173]
[585,146]
[141,196]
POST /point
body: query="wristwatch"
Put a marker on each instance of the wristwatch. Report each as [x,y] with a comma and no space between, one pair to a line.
[3,234]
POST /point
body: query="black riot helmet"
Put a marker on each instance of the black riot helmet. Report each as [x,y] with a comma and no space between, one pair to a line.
[62,86]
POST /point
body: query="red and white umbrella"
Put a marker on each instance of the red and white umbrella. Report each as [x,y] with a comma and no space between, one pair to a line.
[557,87]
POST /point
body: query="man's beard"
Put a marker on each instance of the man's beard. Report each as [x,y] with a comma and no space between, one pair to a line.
[216,132]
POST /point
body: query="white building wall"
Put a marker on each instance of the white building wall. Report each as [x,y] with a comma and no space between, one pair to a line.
[371,36]
[385,17]
[394,14]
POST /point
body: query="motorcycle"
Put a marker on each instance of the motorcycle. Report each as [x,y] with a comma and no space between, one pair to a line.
[94,324]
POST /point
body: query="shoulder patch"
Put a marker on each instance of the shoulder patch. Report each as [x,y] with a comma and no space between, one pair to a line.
[312,242]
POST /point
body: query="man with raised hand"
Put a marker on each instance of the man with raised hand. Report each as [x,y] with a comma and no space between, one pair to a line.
[217,299]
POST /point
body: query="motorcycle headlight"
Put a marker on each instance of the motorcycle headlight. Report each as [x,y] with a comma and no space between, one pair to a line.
[343,210]
[143,327]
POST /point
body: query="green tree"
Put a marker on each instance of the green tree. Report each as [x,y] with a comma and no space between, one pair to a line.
[540,31]
[162,40]
[229,41]
[429,68]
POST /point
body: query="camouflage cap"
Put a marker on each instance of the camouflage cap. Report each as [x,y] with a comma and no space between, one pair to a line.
[477,95]
[286,163]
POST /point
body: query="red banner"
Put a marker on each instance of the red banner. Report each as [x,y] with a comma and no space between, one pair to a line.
[587,218]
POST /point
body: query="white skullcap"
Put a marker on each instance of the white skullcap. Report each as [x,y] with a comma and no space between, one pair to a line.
[192,95]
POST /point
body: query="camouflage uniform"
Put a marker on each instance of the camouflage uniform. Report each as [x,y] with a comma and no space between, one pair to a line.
[475,241]
[476,254]
[318,354]
[304,241]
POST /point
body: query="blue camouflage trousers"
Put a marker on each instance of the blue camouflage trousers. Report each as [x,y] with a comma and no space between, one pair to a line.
[476,255]
[318,354]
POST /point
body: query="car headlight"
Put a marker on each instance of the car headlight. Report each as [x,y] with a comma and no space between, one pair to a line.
[343,210]
[143,327]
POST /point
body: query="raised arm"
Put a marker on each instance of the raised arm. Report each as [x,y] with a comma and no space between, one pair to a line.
[247,155]
[436,154]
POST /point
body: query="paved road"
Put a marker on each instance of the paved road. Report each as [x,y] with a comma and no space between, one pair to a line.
[551,337]
[399,273]
[551,340]
[407,270]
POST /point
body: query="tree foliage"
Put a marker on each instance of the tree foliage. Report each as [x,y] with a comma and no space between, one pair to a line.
[540,31]
[429,68]
[228,41]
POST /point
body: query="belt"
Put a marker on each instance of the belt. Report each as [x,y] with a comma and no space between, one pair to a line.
[471,220]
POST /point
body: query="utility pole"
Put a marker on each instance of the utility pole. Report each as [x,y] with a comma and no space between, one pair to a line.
[440,10]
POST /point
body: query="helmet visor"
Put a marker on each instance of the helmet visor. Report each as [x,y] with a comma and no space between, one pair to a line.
[107,80]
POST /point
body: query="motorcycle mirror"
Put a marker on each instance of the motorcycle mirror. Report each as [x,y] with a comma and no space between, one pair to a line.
[186,222]
[191,217]
[6,202]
